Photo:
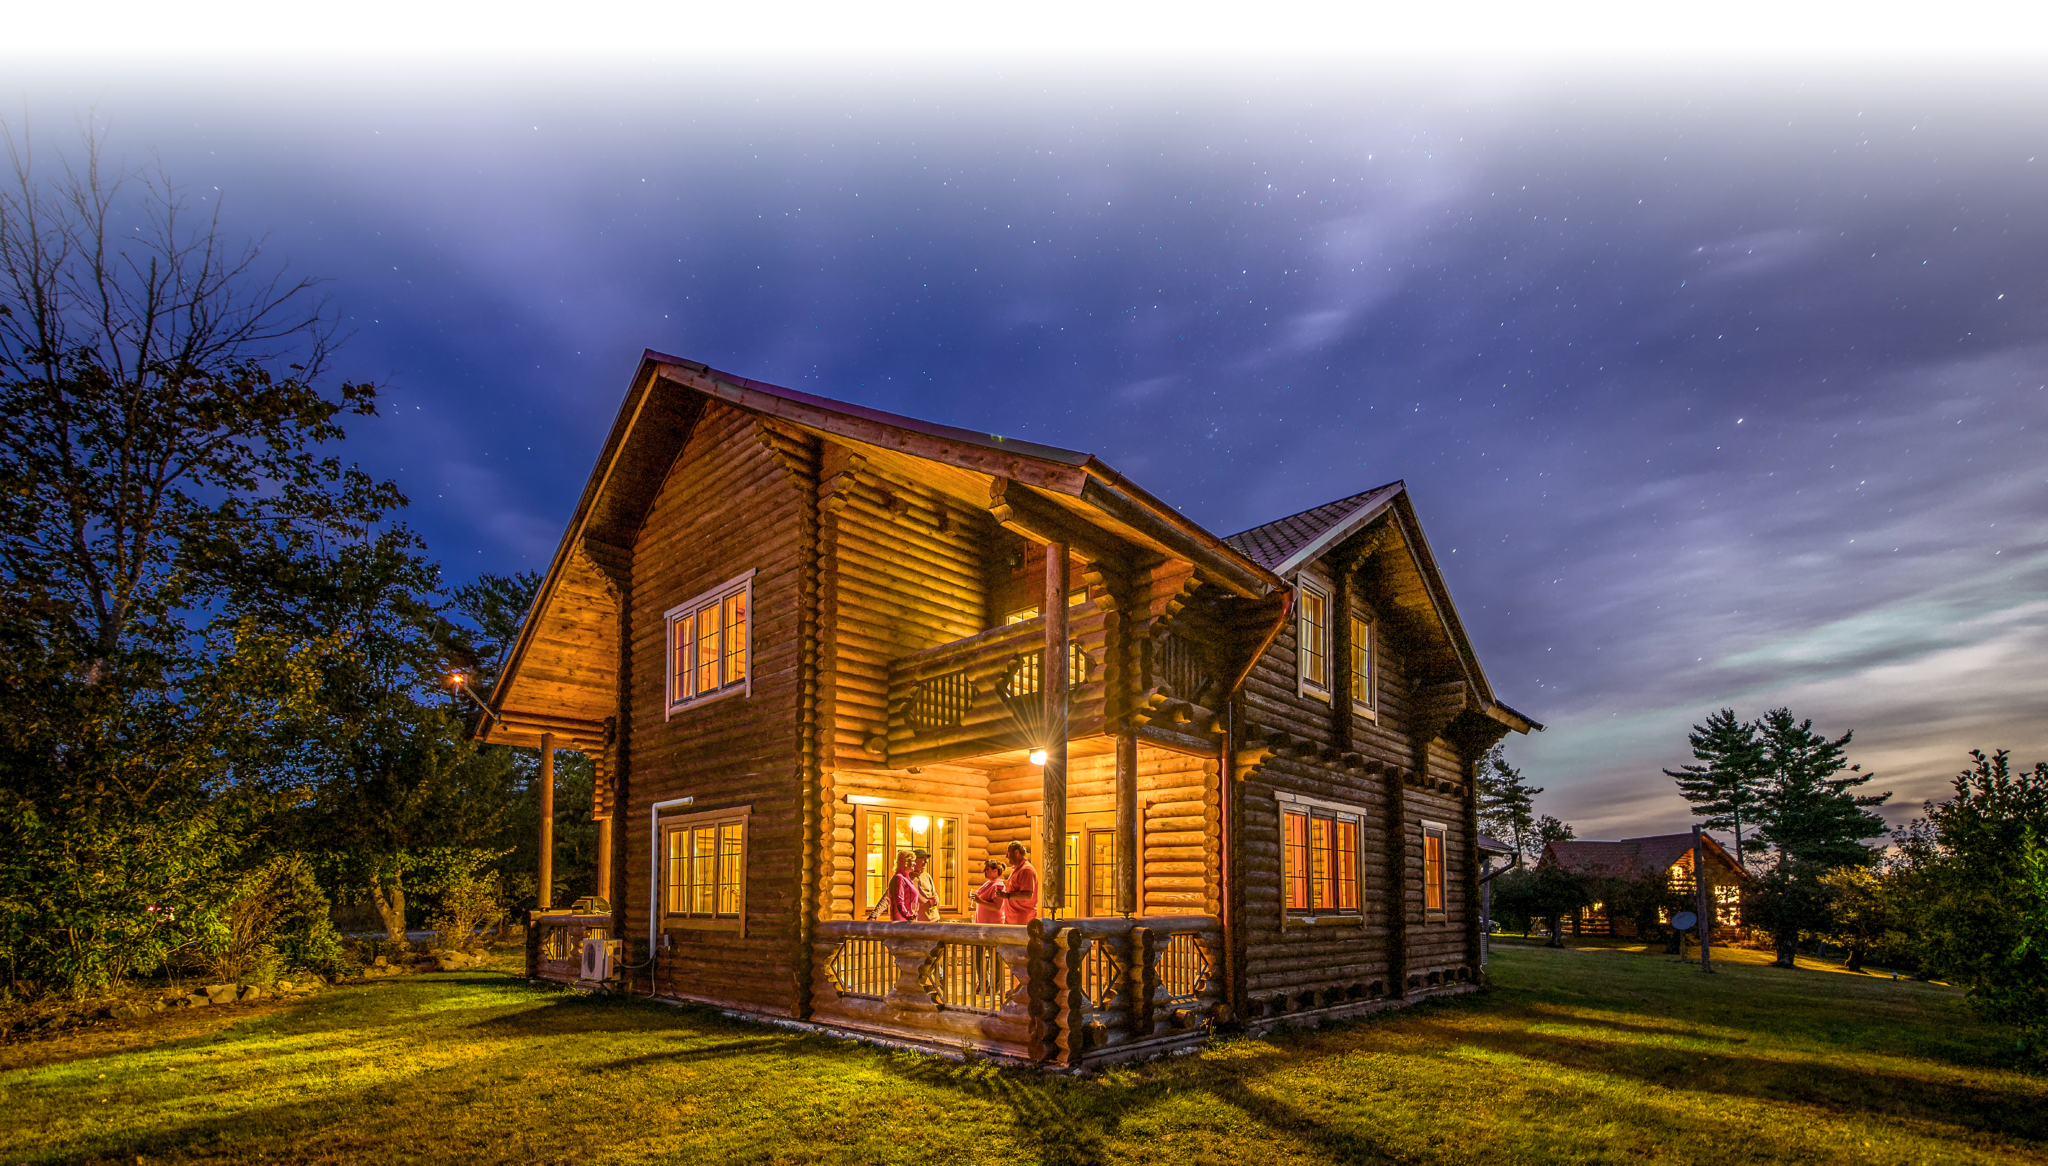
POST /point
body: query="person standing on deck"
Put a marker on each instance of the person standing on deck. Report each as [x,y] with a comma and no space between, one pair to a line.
[1020,900]
[904,898]
[928,905]
[988,897]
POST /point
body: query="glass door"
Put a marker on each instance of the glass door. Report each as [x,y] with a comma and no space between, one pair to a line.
[885,832]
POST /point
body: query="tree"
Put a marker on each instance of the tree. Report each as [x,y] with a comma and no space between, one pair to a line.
[1981,917]
[163,435]
[1729,784]
[1549,830]
[1863,915]
[1790,901]
[1810,813]
[1507,805]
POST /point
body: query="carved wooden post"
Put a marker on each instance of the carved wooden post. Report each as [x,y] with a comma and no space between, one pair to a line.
[1071,1001]
[545,876]
[1053,846]
[1127,822]
[604,856]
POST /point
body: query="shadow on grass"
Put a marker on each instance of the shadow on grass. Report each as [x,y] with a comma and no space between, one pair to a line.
[1067,1121]
[1833,1087]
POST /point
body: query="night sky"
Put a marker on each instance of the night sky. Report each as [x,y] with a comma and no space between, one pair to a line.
[1713,385]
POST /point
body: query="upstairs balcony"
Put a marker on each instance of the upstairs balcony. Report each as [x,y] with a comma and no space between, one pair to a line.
[984,693]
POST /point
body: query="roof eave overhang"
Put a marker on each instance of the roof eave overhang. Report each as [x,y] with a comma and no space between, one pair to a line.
[1044,467]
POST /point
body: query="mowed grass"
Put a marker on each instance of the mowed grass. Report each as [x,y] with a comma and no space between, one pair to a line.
[1594,1055]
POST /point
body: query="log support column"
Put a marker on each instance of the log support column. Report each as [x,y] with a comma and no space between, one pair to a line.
[604,856]
[1127,821]
[1053,791]
[545,876]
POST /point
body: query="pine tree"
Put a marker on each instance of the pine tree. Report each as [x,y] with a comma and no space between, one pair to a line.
[1506,805]
[1729,784]
[1809,813]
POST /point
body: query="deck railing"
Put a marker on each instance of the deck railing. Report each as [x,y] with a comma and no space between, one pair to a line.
[554,944]
[1068,992]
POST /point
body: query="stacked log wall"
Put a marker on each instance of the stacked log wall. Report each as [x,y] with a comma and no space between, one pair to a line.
[1292,966]
[726,506]
[901,567]
[1179,821]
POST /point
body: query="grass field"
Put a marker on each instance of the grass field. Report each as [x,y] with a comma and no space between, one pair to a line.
[1587,1055]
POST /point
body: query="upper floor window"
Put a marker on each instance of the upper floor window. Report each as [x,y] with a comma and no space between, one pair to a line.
[1313,641]
[1319,852]
[1364,697]
[1433,867]
[708,646]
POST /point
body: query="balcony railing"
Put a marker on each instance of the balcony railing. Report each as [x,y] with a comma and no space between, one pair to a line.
[1068,992]
[977,694]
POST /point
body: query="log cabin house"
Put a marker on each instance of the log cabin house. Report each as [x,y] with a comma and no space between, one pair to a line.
[1669,857]
[796,635]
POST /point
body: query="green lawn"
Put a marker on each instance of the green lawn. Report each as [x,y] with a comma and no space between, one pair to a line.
[1596,1055]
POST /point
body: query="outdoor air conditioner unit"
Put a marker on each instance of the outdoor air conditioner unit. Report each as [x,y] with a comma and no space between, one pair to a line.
[599,956]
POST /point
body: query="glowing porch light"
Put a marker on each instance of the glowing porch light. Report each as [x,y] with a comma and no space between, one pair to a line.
[1038,757]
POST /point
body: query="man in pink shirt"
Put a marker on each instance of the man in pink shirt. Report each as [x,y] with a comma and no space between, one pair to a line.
[1020,901]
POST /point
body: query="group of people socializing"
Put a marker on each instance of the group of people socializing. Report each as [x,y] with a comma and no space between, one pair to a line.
[1008,894]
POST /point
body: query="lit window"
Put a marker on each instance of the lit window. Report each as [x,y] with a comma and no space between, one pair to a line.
[1319,854]
[704,868]
[1432,868]
[886,832]
[1363,697]
[1313,642]
[708,644]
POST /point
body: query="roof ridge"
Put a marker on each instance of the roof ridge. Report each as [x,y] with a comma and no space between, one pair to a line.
[1362,494]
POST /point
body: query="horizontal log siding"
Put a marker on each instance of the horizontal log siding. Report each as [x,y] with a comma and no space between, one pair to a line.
[1180,824]
[901,568]
[1291,968]
[1436,944]
[725,507]
[932,787]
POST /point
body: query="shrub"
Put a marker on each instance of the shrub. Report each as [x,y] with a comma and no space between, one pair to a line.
[467,904]
[277,917]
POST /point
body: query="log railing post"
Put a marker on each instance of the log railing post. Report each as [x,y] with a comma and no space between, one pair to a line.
[1144,980]
[1053,681]
[604,856]
[545,876]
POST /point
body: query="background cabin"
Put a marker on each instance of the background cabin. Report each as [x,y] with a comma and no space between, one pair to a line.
[797,636]
[1667,857]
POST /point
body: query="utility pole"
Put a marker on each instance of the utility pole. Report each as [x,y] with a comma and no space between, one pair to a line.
[1703,900]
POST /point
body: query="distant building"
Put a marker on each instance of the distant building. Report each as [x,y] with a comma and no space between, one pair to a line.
[1669,856]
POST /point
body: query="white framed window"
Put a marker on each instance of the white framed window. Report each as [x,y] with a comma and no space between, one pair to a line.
[1321,860]
[885,827]
[1364,672]
[1433,867]
[1312,641]
[703,863]
[710,653]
